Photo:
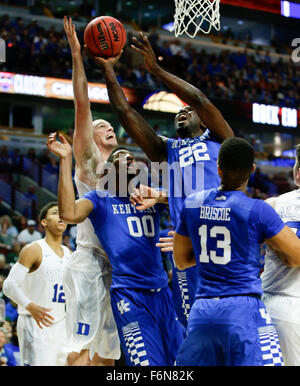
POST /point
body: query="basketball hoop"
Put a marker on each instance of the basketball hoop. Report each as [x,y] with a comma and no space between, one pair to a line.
[192,16]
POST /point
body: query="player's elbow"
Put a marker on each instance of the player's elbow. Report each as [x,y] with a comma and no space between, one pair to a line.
[7,287]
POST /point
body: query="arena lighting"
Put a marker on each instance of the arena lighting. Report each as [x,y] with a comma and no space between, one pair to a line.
[274,115]
[289,9]
[54,88]
[163,101]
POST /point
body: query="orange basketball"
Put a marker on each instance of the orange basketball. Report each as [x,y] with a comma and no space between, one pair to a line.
[105,36]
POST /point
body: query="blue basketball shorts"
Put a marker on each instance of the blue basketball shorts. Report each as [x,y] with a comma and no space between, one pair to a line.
[149,331]
[230,331]
[184,285]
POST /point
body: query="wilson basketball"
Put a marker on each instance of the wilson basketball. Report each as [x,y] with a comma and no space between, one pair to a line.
[105,36]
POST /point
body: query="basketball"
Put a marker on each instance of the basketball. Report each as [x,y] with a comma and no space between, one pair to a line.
[105,36]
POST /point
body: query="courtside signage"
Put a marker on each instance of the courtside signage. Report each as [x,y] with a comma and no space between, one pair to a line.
[274,115]
[54,88]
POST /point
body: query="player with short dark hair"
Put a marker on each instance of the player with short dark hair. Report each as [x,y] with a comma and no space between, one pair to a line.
[149,331]
[35,283]
[220,231]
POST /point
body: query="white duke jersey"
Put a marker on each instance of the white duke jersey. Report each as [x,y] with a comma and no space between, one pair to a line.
[44,286]
[86,236]
[277,278]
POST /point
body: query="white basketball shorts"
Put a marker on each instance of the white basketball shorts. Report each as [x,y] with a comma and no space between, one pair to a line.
[285,314]
[89,319]
[41,347]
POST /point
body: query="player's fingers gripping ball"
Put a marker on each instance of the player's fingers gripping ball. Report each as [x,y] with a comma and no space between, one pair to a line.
[105,36]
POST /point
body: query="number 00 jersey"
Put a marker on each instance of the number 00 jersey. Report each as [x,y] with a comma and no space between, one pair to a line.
[226,229]
[44,286]
[277,278]
[129,238]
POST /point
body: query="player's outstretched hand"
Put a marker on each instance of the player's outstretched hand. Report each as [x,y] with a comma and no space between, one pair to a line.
[143,46]
[166,243]
[144,197]
[71,35]
[40,315]
[102,62]
[61,149]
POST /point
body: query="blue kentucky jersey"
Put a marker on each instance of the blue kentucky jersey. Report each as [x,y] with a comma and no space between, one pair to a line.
[226,229]
[128,236]
[192,168]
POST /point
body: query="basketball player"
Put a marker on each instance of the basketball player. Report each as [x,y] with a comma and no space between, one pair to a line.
[35,283]
[201,129]
[220,231]
[91,330]
[281,284]
[149,331]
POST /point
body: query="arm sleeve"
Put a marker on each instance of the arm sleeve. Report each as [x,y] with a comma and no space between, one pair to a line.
[182,227]
[12,285]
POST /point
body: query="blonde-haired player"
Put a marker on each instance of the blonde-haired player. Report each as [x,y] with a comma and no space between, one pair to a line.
[35,283]
[280,283]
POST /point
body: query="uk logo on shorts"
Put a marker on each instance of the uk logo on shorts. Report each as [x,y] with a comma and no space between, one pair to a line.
[123,307]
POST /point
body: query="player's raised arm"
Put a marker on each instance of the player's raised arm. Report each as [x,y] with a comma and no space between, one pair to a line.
[83,133]
[207,111]
[134,124]
[71,211]
[287,246]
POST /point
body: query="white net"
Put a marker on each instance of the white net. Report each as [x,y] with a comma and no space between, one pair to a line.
[192,16]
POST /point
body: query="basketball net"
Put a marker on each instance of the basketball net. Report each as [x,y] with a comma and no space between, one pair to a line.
[192,16]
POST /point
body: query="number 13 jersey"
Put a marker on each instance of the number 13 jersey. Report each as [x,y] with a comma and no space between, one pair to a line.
[227,229]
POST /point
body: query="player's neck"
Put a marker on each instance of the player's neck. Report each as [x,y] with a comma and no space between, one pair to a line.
[241,188]
[105,151]
[54,241]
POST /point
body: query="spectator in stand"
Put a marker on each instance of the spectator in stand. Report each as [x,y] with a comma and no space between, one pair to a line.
[13,343]
[31,154]
[29,234]
[4,268]
[11,311]
[6,354]
[2,296]
[11,229]
[12,256]
[44,157]
[6,240]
